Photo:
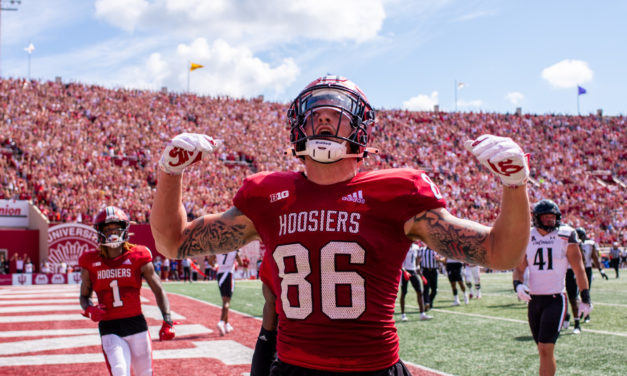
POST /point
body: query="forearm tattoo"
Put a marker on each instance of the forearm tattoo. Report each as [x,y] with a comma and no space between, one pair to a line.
[211,238]
[454,240]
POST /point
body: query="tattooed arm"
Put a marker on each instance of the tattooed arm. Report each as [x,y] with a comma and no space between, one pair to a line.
[210,234]
[499,247]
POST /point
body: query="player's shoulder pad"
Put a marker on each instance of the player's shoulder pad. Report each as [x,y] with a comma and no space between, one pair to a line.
[565,230]
[141,251]
[409,174]
[87,257]
[269,177]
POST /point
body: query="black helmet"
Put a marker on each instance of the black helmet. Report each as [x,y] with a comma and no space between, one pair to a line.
[546,206]
[581,233]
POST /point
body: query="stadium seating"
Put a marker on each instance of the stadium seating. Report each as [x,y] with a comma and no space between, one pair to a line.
[73,147]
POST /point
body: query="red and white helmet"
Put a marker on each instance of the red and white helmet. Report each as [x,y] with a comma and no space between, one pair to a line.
[337,93]
[112,214]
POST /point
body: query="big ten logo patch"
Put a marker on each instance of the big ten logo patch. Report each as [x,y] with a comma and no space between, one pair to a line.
[279,196]
[66,242]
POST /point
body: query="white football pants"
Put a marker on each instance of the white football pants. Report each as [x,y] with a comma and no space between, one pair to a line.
[122,353]
[472,275]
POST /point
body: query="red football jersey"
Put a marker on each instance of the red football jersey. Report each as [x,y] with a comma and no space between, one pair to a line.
[265,275]
[335,252]
[117,281]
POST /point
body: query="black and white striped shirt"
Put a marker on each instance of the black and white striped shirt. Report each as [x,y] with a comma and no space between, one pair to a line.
[427,258]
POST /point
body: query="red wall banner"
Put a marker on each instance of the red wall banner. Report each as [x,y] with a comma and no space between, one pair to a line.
[20,241]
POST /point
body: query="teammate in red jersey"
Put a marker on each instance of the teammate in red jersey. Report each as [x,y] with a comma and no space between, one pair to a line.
[265,348]
[115,273]
[336,237]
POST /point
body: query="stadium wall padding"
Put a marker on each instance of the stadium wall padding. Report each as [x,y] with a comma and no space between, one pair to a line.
[20,241]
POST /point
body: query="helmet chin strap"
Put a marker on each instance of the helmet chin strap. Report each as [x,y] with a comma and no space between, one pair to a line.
[327,151]
[113,241]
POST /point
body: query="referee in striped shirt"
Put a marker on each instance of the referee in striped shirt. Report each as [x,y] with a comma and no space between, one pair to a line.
[428,259]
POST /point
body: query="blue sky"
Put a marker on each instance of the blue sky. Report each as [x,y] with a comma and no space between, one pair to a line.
[403,54]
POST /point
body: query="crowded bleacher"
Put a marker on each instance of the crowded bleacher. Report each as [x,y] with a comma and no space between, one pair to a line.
[71,148]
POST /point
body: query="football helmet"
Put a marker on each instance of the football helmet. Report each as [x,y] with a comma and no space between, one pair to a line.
[581,233]
[112,214]
[546,206]
[341,95]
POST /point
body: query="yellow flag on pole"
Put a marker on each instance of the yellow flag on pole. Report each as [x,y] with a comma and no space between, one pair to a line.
[194,66]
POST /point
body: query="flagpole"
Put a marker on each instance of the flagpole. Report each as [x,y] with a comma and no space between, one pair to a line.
[188,70]
[577,102]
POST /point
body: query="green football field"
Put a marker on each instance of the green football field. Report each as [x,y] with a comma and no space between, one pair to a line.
[488,336]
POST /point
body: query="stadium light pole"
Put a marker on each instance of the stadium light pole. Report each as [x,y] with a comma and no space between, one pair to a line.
[10,5]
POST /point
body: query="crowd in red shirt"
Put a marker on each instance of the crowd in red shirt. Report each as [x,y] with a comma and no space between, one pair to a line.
[72,148]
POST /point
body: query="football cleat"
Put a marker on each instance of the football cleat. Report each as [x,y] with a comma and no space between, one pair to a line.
[576,331]
[403,317]
[228,328]
[424,317]
[221,328]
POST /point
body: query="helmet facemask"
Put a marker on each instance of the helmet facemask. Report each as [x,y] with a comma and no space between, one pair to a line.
[113,239]
[329,146]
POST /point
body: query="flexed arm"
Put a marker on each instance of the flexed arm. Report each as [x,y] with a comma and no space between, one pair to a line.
[501,246]
[210,234]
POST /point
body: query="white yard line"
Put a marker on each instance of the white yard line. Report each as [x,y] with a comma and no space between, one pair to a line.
[602,332]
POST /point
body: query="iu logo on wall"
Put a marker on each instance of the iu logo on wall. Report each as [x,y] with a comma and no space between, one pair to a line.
[67,241]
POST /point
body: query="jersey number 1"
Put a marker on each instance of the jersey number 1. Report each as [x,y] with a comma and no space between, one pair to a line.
[117,302]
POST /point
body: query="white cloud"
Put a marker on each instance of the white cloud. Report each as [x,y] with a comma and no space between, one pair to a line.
[135,63]
[567,74]
[124,14]
[421,102]
[250,20]
[514,97]
[228,70]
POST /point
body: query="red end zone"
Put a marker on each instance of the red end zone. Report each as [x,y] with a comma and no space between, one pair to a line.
[52,338]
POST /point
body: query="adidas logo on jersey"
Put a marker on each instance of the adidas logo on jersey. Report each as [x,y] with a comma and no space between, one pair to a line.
[357,197]
[127,262]
[97,263]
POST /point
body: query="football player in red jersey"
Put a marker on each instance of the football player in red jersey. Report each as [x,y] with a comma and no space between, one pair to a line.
[115,273]
[336,237]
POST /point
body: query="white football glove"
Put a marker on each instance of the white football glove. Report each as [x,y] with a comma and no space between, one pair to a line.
[584,308]
[184,150]
[503,157]
[523,293]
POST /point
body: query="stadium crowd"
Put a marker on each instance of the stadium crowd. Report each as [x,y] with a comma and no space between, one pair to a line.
[73,147]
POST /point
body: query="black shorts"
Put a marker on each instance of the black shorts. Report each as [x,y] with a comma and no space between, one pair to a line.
[225,284]
[454,271]
[280,368]
[546,314]
[414,282]
[123,327]
[571,285]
